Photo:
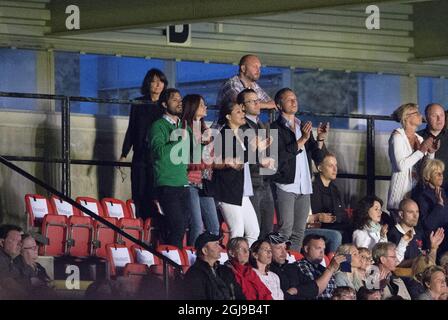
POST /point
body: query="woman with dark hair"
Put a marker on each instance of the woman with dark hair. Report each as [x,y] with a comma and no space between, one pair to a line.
[141,117]
[366,219]
[201,205]
[232,182]
[260,259]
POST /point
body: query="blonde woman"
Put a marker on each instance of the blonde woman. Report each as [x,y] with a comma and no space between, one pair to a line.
[354,278]
[406,149]
[432,201]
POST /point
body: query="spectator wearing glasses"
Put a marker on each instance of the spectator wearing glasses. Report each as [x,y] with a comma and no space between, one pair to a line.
[436,128]
[294,284]
[311,267]
[262,200]
[434,280]
[248,75]
[431,199]
[366,220]
[244,282]
[354,278]
[385,257]
[365,256]
[406,149]
[261,259]
[38,282]
[344,293]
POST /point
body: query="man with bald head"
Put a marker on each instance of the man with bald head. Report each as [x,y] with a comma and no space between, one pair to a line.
[248,75]
[436,127]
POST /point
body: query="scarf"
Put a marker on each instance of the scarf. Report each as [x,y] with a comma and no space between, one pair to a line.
[249,281]
[374,227]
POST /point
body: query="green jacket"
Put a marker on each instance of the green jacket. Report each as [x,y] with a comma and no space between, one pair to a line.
[170,157]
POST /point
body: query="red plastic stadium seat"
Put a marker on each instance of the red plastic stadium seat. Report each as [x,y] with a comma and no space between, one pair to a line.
[133,227]
[147,230]
[115,208]
[191,255]
[117,256]
[174,253]
[143,256]
[63,208]
[37,207]
[294,256]
[54,228]
[80,235]
[92,204]
[103,236]
[135,269]
[131,208]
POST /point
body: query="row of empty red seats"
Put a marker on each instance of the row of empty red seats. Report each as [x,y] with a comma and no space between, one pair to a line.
[71,232]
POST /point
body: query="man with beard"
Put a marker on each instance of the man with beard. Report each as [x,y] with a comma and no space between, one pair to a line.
[170,154]
[407,238]
[249,73]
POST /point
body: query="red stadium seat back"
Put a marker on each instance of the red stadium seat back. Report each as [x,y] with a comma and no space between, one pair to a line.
[191,255]
[103,236]
[63,208]
[294,256]
[117,256]
[157,270]
[36,207]
[115,208]
[224,256]
[92,204]
[133,227]
[225,231]
[174,253]
[143,256]
[131,208]
[326,261]
[135,269]
[275,219]
[330,255]
[147,230]
[54,228]
[80,236]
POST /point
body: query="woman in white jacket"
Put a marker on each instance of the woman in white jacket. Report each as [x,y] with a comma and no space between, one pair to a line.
[366,220]
[406,149]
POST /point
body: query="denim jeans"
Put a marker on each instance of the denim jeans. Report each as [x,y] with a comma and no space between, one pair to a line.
[334,238]
[263,204]
[201,212]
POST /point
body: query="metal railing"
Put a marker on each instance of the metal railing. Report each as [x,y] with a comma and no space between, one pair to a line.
[67,161]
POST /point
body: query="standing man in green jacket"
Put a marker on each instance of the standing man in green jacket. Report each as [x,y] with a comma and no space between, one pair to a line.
[169,146]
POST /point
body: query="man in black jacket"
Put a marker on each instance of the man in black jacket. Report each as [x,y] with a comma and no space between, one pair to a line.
[436,128]
[296,148]
[262,200]
[202,281]
[294,285]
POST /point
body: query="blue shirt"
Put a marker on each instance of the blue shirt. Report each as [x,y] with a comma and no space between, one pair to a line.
[302,180]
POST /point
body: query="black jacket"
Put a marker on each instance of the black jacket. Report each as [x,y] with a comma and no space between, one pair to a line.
[290,277]
[226,274]
[413,250]
[442,153]
[228,183]
[288,150]
[432,214]
[202,283]
[141,117]
[329,200]
[257,179]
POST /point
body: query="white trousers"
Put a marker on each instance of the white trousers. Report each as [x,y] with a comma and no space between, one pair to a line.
[242,220]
